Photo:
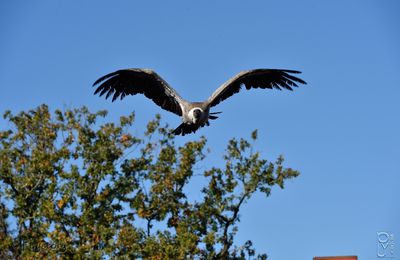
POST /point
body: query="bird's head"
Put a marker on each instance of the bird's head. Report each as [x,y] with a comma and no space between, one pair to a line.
[196,115]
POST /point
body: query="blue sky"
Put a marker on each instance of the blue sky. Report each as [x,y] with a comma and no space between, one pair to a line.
[341,130]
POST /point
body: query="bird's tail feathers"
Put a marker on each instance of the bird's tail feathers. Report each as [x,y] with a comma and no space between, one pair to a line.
[184,129]
[178,130]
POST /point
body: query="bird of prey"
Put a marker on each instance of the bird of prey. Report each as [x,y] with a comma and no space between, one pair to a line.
[194,114]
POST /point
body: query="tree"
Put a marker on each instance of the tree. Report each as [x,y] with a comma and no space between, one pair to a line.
[74,186]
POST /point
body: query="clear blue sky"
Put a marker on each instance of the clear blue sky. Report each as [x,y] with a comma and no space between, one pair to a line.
[342,131]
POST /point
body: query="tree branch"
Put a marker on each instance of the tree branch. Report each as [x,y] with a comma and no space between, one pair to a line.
[228,222]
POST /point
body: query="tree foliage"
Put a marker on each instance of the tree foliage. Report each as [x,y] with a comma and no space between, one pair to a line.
[75,186]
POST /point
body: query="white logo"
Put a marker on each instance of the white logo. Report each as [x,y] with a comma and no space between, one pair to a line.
[385,244]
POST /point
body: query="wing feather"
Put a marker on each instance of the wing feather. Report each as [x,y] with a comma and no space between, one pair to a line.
[140,81]
[258,78]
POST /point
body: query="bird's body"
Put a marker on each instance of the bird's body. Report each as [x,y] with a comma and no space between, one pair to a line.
[194,114]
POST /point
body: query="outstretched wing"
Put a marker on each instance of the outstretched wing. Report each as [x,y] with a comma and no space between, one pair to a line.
[140,81]
[258,78]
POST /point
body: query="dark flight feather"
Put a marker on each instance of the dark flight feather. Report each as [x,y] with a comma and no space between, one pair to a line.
[139,81]
[258,78]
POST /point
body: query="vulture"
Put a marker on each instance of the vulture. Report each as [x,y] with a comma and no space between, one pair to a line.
[194,115]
